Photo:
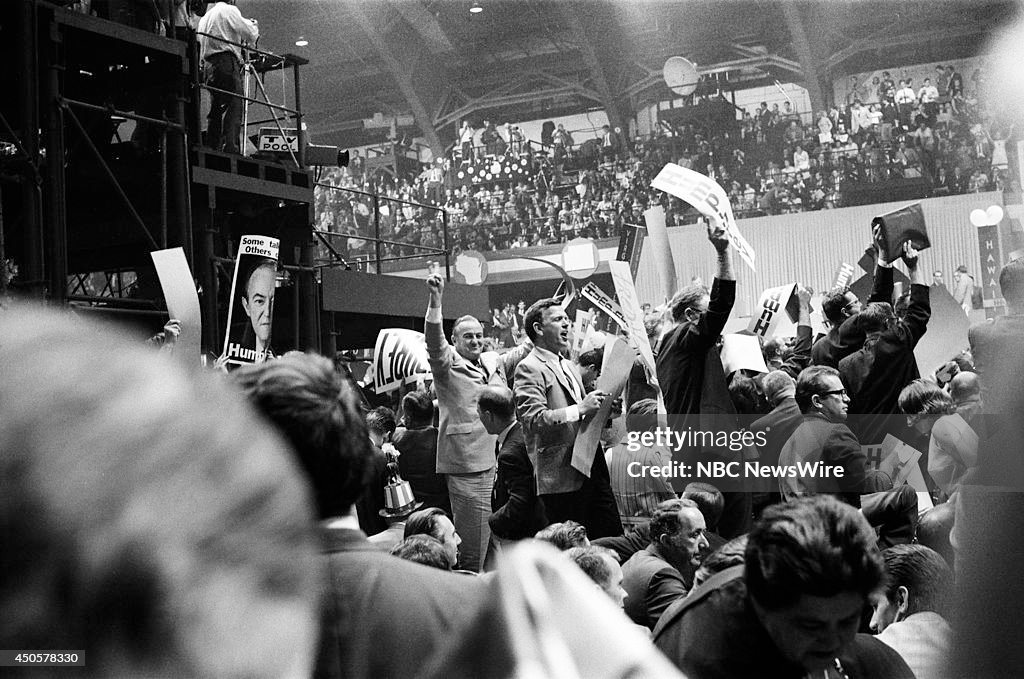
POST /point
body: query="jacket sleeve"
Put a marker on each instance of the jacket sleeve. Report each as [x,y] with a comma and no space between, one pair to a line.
[800,354]
[912,328]
[532,401]
[845,451]
[665,588]
[711,324]
[439,352]
[516,473]
[881,288]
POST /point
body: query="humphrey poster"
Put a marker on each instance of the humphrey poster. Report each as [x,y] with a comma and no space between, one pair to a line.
[251,312]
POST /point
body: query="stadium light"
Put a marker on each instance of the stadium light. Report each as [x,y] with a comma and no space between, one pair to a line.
[476,8]
[301,42]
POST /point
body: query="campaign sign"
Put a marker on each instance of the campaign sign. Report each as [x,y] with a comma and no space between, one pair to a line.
[251,312]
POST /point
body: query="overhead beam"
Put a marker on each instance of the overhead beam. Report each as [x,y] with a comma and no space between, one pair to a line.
[588,30]
[413,75]
[891,36]
[809,61]
[426,24]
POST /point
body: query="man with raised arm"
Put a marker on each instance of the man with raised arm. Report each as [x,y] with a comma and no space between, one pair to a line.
[465,451]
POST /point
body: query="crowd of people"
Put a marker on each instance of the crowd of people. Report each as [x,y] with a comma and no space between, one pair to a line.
[772,161]
[271,521]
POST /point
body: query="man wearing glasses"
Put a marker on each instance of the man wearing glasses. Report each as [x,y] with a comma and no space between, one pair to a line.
[822,438]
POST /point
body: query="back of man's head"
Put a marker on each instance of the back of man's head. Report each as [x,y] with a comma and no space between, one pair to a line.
[418,407]
[381,421]
[876,317]
[709,501]
[965,386]
[564,535]
[317,412]
[498,400]
[1011,284]
[814,545]
[423,549]
[777,386]
[925,574]
[150,518]
[642,416]
[592,358]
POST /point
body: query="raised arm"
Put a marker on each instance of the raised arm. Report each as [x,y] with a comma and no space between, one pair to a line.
[438,349]
[919,310]
[800,354]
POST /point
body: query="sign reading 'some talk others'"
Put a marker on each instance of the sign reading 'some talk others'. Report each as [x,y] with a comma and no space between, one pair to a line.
[251,312]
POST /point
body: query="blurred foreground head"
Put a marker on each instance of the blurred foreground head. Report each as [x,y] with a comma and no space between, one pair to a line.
[149,518]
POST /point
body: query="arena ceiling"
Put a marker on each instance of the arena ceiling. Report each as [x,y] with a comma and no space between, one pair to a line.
[435,62]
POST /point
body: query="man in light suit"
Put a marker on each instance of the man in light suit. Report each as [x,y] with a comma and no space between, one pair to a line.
[551,404]
[465,451]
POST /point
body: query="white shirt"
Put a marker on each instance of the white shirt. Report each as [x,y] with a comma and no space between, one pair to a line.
[905,95]
[928,94]
[225,21]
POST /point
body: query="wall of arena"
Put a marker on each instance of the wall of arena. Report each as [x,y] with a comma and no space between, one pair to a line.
[808,247]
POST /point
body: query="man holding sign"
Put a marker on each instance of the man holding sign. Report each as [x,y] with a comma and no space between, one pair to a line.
[699,319]
[553,404]
[465,451]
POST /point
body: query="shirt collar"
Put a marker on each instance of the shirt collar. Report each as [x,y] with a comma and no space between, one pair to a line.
[504,433]
[547,354]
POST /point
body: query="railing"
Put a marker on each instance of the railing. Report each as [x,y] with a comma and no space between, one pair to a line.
[253,67]
[356,214]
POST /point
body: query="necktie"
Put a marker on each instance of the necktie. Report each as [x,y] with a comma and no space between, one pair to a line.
[577,390]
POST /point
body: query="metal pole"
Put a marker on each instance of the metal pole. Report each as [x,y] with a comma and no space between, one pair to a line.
[376,229]
[447,250]
[163,188]
[298,116]
[56,198]
[28,120]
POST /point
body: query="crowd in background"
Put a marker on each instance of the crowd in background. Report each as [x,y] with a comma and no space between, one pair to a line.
[775,160]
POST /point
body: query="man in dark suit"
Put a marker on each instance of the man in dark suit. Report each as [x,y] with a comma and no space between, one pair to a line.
[516,511]
[417,443]
[777,426]
[383,616]
[551,404]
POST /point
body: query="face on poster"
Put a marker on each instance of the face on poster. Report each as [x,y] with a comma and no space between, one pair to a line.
[251,315]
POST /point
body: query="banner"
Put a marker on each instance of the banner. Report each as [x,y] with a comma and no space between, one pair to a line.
[182,301]
[251,312]
[399,356]
[990,250]
[634,317]
[654,217]
[770,310]
[710,200]
[742,352]
[605,303]
[581,330]
[844,276]
[618,362]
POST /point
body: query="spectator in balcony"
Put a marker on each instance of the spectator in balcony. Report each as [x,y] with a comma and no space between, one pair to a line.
[493,144]
[978,182]
[924,141]
[466,141]
[887,91]
[907,161]
[905,102]
[561,139]
[928,95]
[956,82]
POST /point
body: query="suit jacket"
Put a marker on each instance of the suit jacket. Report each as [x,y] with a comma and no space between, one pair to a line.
[517,513]
[463,445]
[652,585]
[543,394]
[384,616]
[417,462]
[778,426]
[842,341]
[818,438]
